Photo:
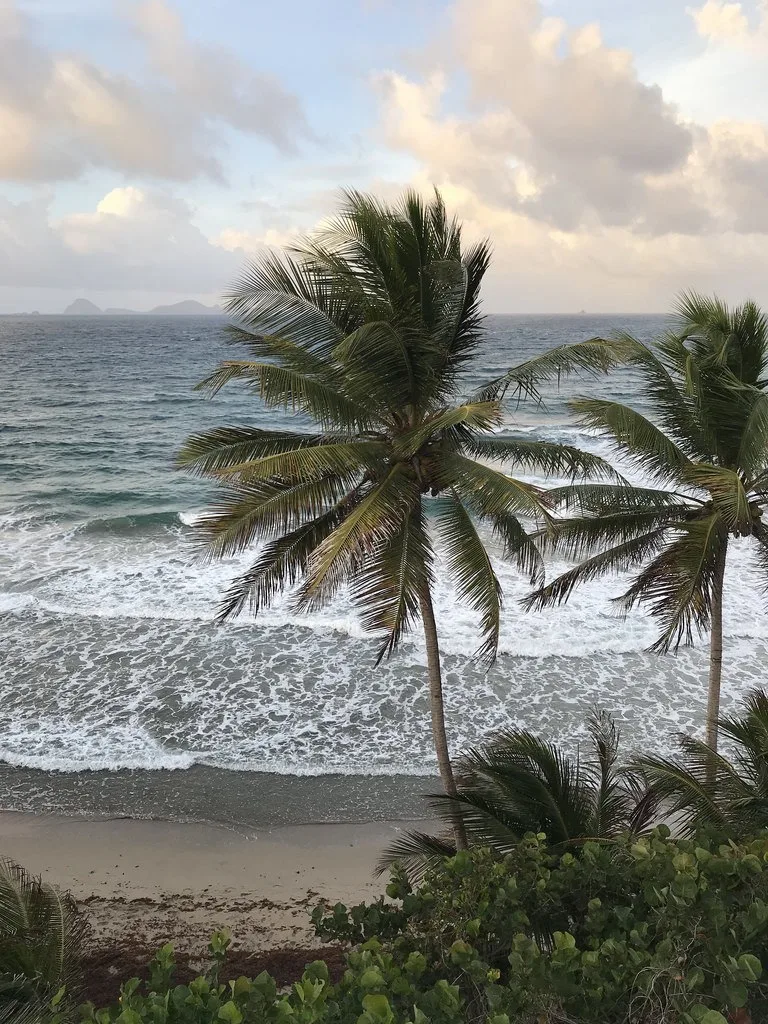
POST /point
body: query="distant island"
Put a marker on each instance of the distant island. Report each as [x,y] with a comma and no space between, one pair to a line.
[187,307]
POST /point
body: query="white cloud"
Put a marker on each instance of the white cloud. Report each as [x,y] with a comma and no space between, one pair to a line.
[593,188]
[237,239]
[717,20]
[133,239]
[725,22]
[61,114]
[556,123]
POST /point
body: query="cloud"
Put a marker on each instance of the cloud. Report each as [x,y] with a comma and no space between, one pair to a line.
[61,114]
[593,188]
[724,23]
[133,239]
[557,126]
[555,122]
[216,83]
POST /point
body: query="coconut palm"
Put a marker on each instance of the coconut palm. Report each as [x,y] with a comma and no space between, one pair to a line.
[518,783]
[705,450]
[367,330]
[706,789]
[41,935]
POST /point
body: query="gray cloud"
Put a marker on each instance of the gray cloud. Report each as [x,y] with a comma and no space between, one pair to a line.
[61,114]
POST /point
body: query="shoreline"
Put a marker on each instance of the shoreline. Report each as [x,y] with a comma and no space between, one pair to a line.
[152,881]
[234,798]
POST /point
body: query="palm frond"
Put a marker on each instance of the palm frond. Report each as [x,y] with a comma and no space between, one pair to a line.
[541,456]
[617,558]
[377,365]
[729,496]
[470,569]
[225,447]
[281,387]
[634,436]
[289,298]
[282,562]
[752,457]
[592,357]
[388,585]
[491,492]
[417,852]
[583,536]
[604,499]
[311,461]
[374,520]
[473,416]
[245,513]
[41,933]
[519,546]
[611,800]
[677,584]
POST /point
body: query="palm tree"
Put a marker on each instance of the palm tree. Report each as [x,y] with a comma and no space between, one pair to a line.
[518,783]
[705,789]
[367,330]
[706,451]
[41,935]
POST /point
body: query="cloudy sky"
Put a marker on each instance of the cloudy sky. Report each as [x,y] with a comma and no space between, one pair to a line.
[614,151]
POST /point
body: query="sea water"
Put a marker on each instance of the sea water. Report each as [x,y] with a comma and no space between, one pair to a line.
[112,669]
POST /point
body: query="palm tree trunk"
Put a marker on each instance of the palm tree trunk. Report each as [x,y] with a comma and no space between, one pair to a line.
[716,651]
[437,708]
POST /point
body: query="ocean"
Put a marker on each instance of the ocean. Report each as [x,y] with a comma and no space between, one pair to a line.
[118,693]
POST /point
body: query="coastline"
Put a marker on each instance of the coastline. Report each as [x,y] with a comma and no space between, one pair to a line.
[150,882]
[233,798]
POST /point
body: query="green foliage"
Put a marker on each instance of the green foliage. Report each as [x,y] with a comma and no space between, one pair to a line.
[368,329]
[517,783]
[706,789]
[41,933]
[705,446]
[651,930]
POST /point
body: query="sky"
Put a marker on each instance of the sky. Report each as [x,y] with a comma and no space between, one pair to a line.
[614,152]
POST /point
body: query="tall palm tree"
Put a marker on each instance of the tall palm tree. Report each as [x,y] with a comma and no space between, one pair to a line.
[705,448]
[705,789]
[367,330]
[519,783]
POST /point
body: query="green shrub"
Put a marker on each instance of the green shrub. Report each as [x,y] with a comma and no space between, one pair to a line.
[652,930]
[656,931]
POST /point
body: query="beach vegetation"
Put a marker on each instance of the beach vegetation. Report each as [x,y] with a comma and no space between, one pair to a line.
[518,783]
[41,937]
[726,793]
[651,930]
[704,449]
[366,331]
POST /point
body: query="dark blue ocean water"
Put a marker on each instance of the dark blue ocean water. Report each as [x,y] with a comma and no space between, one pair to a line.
[109,657]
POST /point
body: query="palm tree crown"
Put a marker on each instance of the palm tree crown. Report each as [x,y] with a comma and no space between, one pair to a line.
[705,450]
[518,783]
[704,789]
[367,329]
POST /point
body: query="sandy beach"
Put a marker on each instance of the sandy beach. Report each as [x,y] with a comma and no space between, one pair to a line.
[154,881]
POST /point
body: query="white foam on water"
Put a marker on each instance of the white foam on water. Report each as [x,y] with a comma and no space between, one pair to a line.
[190,518]
[122,693]
[110,659]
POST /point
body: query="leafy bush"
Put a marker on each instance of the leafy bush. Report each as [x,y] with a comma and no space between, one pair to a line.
[654,931]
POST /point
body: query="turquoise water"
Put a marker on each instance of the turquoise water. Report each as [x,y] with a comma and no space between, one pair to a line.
[108,655]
